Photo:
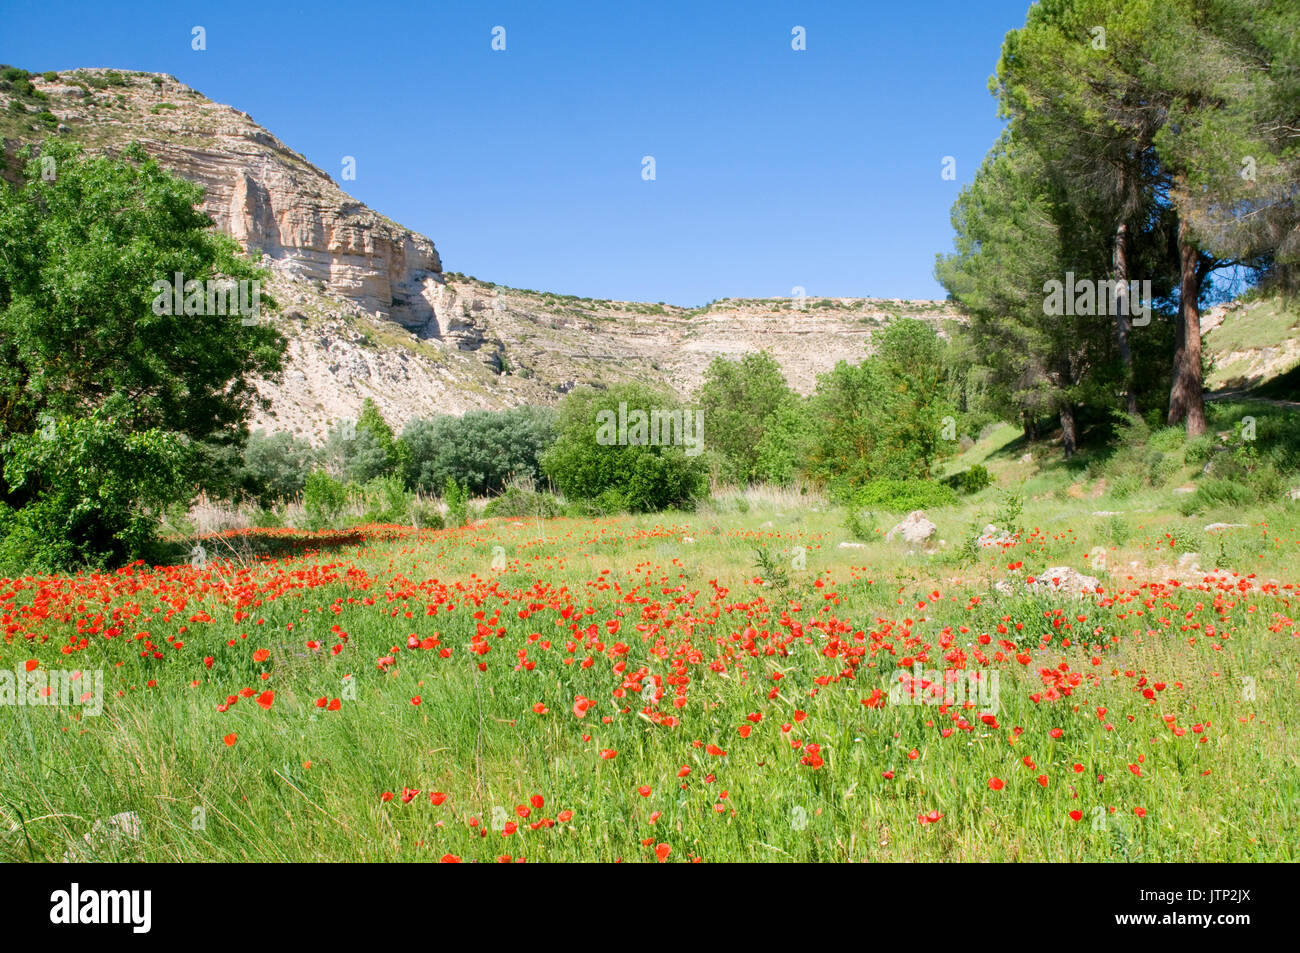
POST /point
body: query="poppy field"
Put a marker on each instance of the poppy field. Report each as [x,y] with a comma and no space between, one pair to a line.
[652,689]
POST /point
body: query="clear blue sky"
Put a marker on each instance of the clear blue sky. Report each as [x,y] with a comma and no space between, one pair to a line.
[774,168]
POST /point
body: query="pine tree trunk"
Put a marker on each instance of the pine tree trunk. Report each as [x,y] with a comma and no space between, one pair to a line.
[1186,397]
[1069,429]
[1123,322]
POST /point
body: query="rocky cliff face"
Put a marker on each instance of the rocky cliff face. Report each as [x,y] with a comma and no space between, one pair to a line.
[258,190]
[367,307]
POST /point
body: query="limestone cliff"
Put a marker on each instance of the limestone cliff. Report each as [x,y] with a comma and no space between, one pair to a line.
[367,307]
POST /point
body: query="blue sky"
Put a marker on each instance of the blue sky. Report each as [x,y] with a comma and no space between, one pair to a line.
[774,168]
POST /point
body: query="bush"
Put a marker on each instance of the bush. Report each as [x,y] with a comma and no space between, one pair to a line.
[384,500]
[274,467]
[91,490]
[595,458]
[901,496]
[518,502]
[456,499]
[861,524]
[1213,493]
[323,499]
[424,514]
[974,479]
[481,451]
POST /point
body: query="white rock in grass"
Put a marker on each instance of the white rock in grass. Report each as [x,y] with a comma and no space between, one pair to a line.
[1215,527]
[1064,579]
[106,838]
[914,529]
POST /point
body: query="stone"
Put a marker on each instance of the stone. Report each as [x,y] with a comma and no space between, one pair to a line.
[992,536]
[915,529]
[1215,527]
[106,838]
[1066,580]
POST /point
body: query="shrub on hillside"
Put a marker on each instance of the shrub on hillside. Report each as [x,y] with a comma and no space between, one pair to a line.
[972,480]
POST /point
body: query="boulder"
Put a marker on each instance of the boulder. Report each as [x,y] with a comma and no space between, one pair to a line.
[1066,580]
[915,529]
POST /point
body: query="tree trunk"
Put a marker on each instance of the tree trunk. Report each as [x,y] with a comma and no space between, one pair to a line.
[1123,322]
[1029,424]
[1069,429]
[1186,397]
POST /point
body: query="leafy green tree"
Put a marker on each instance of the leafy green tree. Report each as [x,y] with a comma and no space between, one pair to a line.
[396,453]
[784,450]
[85,355]
[883,418]
[625,468]
[740,400]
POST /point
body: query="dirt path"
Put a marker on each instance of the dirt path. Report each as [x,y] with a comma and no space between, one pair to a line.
[1246,395]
